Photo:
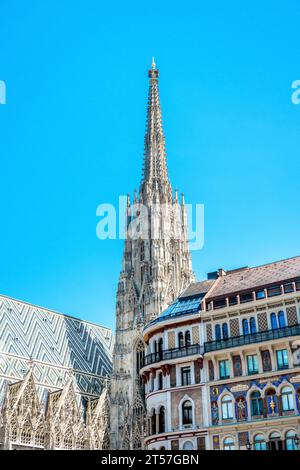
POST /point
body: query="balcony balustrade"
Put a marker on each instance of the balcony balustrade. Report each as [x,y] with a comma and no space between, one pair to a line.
[258,337]
[174,353]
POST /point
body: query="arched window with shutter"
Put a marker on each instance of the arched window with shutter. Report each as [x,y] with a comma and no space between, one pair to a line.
[245,327]
[225,331]
[180,340]
[187,338]
[274,324]
[281,319]
[218,335]
[252,325]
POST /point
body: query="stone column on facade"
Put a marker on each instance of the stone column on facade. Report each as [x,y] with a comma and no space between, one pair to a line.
[272,357]
[260,363]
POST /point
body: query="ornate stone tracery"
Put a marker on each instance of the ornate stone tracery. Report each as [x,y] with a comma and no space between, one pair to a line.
[61,424]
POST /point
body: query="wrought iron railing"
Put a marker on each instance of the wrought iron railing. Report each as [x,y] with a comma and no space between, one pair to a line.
[174,353]
[258,337]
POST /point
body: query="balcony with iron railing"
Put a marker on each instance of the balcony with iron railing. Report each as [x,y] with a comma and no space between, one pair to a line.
[175,353]
[258,337]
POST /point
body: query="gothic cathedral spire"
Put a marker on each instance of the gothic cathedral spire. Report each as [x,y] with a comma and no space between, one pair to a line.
[156,267]
[155,179]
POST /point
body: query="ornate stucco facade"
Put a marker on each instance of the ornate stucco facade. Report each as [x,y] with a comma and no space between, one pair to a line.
[227,373]
[156,267]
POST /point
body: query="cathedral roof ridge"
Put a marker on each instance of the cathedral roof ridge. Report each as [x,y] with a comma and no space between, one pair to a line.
[49,310]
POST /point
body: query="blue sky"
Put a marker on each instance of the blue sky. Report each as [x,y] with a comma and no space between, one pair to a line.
[71,135]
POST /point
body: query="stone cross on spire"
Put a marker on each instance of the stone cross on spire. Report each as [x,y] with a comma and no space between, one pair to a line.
[155,182]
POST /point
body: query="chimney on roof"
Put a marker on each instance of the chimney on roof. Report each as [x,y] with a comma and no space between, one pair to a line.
[221,272]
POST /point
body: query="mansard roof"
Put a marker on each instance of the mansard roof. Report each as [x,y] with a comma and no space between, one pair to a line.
[246,279]
[227,283]
[197,288]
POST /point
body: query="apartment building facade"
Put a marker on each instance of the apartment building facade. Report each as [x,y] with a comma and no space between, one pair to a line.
[222,366]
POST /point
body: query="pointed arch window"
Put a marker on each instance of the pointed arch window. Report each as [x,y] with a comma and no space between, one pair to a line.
[153,422]
[26,433]
[137,443]
[80,441]
[40,436]
[140,356]
[68,439]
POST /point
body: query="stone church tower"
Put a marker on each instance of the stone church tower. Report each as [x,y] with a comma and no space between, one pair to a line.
[156,267]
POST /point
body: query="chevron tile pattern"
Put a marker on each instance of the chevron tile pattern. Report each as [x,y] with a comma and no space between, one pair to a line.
[55,343]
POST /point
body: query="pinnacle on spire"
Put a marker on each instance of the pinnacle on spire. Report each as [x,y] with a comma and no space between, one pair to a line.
[155,174]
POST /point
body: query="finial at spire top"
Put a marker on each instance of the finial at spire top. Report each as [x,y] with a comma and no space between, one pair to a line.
[153,72]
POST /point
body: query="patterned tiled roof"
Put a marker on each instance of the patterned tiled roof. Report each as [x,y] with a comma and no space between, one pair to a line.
[55,343]
[252,278]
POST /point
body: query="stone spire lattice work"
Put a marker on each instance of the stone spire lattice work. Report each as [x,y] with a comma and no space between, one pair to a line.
[156,267]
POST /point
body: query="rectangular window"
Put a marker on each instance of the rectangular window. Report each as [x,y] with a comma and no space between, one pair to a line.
[224,369]
[232,300]
[282,359]
[185,376]
[220,303]
[288,288]
[272,291]
[252,364]
[260,294]
[246,297]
